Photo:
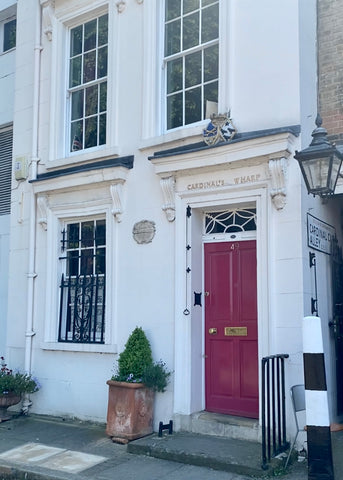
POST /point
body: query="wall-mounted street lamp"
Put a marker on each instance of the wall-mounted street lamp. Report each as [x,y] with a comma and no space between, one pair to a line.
[320,163]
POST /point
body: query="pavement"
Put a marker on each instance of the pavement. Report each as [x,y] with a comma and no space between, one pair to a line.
[38,447]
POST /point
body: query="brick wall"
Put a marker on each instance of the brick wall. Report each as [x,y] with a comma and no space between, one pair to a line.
[330,66]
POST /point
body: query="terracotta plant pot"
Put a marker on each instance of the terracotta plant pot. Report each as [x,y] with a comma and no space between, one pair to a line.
[6,401]
[129,411]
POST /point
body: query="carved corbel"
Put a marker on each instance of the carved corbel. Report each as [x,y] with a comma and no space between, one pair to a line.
[116,190]
[278,173]
[121,6]
[168,190]
[42,206]
[48,8]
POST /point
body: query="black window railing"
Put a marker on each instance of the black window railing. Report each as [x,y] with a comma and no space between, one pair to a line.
[82,309]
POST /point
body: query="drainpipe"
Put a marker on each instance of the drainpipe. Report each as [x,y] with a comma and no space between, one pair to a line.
[31,275]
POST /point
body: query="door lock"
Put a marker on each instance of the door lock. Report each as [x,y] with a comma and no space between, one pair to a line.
[212,331]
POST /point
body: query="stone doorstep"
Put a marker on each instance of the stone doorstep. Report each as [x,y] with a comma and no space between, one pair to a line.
[228,426]
[219,453]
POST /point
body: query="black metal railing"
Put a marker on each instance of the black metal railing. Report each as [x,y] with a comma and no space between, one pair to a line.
[82,309]
[273,407]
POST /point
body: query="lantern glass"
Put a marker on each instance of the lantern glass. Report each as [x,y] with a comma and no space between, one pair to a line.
[321,174]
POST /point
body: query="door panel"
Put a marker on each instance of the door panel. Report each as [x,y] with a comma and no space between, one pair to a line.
[231,370]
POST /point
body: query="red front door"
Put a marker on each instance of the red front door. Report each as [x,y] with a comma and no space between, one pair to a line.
[231,371]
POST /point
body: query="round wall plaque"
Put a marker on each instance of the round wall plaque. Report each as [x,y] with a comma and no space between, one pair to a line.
[144,231]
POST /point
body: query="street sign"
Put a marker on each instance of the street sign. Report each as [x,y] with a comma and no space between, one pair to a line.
[319,234]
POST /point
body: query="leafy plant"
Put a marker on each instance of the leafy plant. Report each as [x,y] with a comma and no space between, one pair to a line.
[156,376]
[135,357]
[135,364]
[16,382]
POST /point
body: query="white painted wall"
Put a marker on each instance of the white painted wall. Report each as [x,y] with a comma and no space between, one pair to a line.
[7,76]
[265,84]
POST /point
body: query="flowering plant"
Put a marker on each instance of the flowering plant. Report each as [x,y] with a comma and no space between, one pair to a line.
[15,381]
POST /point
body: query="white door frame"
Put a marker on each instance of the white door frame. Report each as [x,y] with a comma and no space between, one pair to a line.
[189,395]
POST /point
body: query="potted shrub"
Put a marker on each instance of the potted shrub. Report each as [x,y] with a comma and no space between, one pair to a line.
[132,388]
[13,384]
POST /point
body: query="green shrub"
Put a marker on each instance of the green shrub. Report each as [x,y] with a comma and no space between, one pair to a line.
[135,364]
[156,376]
[135,357]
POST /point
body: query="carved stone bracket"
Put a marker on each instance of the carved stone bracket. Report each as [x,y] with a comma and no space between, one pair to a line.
[42,206]
[168,190]
[48,10]
[117,194]
[278,172]
[121,5]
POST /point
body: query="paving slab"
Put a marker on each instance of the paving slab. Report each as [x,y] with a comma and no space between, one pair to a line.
[85,439]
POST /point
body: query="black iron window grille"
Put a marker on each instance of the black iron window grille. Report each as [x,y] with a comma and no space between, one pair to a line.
[83,285]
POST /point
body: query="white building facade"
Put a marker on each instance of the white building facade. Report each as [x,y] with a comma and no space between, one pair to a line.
[122,214]
[7,68]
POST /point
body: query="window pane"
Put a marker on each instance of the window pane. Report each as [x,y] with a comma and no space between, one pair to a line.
[102,62]
[103,29]
[73,235]
[75,72]
[210,23]
[76,136]
[89,67]
[100,232]
[87,234]
[174,75]
[91,132]
[173,38]
[77,105]
[211,63]
[190,31]
[10,31]
[88,44]
[190,5]
[174,111]
[100,266]
[103,96]
[210,94]
[90,35]
[193,105]
[76,41]
[92,100]
[204,3]
[173,9]
[73,263]
[193,69]
[86,262]
[102,129]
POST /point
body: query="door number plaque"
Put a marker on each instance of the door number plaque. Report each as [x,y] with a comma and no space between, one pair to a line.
[236,331]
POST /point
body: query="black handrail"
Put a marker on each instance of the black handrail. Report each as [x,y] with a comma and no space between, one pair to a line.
[273,407]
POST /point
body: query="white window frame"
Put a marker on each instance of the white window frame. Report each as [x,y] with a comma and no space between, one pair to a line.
[154,131]
[59,148]
[6,16]
[57,216]
[82,87]
[64,269]
[181,55]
